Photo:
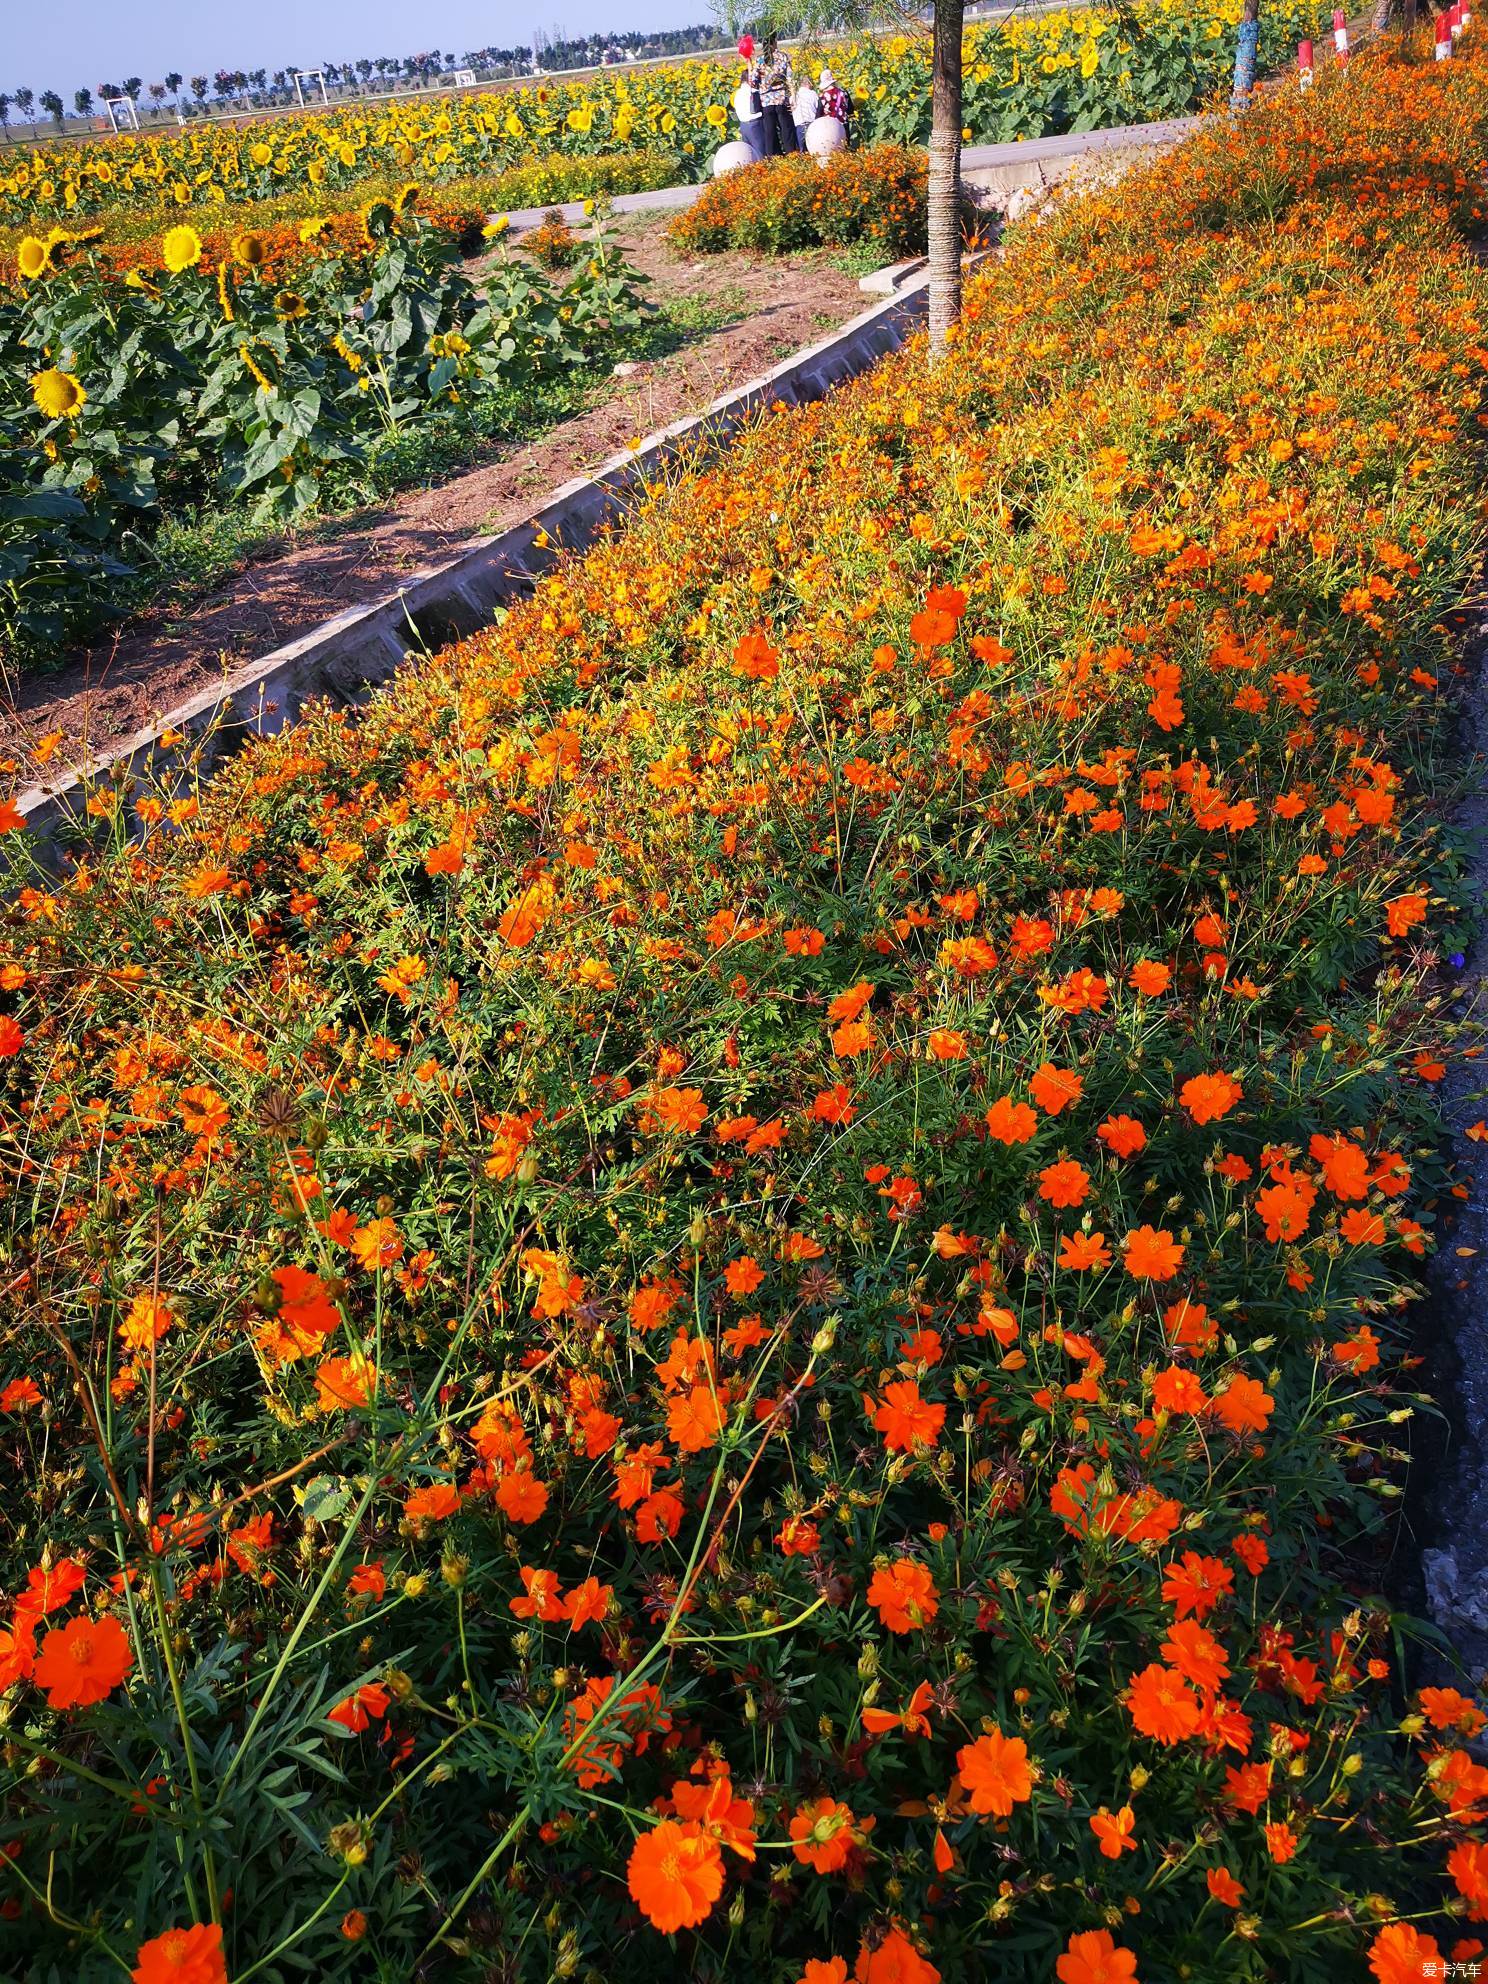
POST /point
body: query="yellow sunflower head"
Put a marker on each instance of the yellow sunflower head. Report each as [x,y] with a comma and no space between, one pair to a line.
[57,393]
[33,258]
[249,250]
[407,196]
[310,230]
[261,153]
[289,304]
[181,249]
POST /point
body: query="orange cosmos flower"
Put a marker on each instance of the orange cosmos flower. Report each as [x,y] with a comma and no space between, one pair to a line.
[304,1304]
[378,1244]
[1281,1842]
[588,1603]
[359,1711]
[694,1420]
[1446,1708]
[1054,1089]
[17,1649]
[1362,1228]
[1152,1254]
[743,1276]
[1149,978]
[1208,1097]
[722,1816]
[1084,1250]
[675,1875]
[1400,1954]
[1010,1122]
[1247,1787]
[824,1970]
[521,1497]
[1123,1136]
[1094,1958]
[146,1321]
[1177,1390]
[1244,1405]
[825,1833]
[945,1044]
[182,1956]
[995,1771]
[913,1719]
[82,1662]
[1162,1705]
[1404,913]
[755,660]
[1223,1887]
[1114,1830]
[1467,1863]
[540,1596]
[904,1418]
[1065,1183]
[904,1595]
[1196,1654]
[1195,1585]
[432,1504]
[203,1112]
[679,1109]
[891,1958]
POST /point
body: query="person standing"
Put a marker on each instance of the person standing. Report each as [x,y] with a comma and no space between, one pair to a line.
[776,88]
[834,101]
[804,111]
[750,115]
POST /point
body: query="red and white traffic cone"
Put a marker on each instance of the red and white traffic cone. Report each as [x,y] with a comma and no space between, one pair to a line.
[1340,34]
[1304,65]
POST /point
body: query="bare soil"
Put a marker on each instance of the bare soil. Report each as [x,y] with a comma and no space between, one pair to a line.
[105,693]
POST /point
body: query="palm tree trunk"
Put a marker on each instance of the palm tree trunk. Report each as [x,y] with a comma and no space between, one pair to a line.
[945,175]
[1381,21]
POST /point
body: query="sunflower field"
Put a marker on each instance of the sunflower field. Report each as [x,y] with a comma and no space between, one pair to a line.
[1068,69]
[255,369]
[729,1286]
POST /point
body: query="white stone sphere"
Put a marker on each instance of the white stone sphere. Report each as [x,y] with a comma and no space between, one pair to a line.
[728,158]
[824,136]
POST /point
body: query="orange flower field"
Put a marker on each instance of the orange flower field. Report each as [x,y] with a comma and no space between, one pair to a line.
[739,1268]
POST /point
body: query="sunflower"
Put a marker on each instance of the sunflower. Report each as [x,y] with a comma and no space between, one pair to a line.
[379,218]
[33,257]
[57,393]
[249,250]
[181,249]
[716,115]
[310,230]
[261,153]
[406,196]
[289,304]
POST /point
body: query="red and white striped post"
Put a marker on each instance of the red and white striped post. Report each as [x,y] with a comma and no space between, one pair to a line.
[1340,34]
[1455,17]
[1304,65]
[1443,38]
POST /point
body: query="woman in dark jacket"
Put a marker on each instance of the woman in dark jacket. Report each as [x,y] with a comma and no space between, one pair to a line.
[777,88]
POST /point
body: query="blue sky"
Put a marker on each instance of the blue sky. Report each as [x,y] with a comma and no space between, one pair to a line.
[104,43]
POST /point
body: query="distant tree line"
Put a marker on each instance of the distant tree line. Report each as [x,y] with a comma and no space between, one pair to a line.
[549,51]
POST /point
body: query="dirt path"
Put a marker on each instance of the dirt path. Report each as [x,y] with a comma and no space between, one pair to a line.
[774,307]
